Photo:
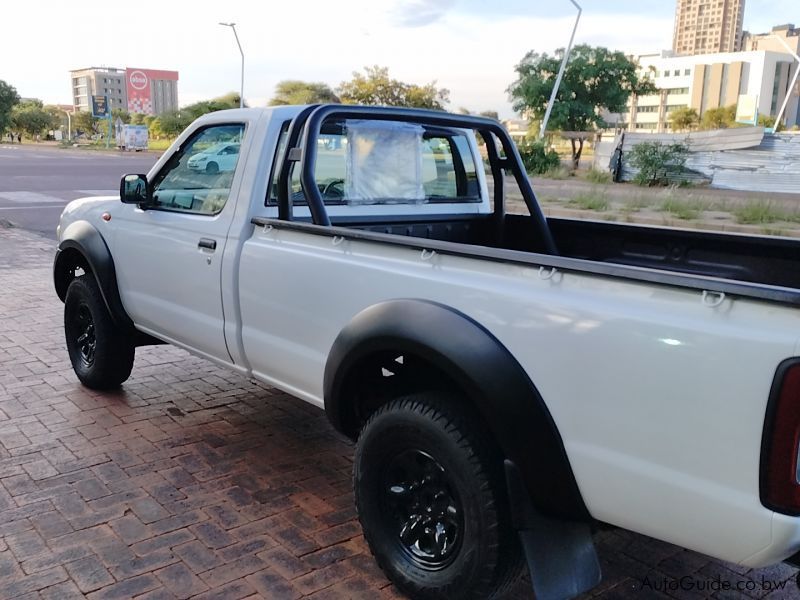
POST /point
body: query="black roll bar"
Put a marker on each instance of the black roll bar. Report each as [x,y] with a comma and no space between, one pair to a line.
[310,121]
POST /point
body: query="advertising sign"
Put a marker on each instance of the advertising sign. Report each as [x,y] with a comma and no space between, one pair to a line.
[100,106]
[140,85]
[134,137]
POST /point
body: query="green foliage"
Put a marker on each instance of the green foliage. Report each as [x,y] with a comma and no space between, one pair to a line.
[375,87]
[719,118]
[684,118]
[683,209]
[8,99]
[122,114]
[595,79]
[657,162]
[293,91]
[170,123]
[31,118]
[759,212]
[597,176]
[85,122]
[537,158]
[137,119]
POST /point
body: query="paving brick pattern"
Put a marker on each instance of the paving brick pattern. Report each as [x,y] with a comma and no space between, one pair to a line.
[194,482]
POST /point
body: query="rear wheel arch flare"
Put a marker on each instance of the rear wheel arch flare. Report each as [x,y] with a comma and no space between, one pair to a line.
[447,343]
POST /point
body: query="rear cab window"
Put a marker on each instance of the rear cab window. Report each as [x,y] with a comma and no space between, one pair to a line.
[362,162]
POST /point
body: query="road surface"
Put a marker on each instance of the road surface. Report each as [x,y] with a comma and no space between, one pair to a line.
[36,182]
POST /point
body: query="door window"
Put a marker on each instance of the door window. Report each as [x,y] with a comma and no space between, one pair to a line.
[197,178]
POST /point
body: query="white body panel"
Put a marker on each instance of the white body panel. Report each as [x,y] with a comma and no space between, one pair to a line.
[659,399]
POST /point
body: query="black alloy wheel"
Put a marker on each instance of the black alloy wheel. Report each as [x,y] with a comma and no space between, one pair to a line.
[422,507]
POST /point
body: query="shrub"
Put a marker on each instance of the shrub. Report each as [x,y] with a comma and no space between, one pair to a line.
[537,158]
[657,162]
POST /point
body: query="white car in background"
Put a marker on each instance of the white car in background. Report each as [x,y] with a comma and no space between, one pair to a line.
[218,158]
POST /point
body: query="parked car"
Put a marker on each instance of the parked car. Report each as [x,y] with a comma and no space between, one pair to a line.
[217,158]
[511,381]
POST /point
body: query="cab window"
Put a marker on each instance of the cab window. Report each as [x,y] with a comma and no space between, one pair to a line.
[197,179]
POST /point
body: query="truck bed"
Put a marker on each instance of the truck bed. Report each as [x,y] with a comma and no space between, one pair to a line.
[748,259]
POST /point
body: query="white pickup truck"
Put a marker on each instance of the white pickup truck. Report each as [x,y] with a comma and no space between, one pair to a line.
[513,382]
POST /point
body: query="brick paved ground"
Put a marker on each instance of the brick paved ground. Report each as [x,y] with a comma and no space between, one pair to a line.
[194,482]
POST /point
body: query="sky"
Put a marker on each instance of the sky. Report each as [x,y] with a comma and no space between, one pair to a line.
[469,47]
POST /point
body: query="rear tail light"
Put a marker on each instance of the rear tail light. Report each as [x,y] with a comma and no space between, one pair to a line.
[780,484]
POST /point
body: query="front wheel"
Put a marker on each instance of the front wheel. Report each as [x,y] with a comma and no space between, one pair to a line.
[101,353]
[431,500]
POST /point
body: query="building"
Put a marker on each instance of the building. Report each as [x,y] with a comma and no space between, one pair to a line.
[708,26]
[711,81]
[767,41]
[147,91]
[98,81]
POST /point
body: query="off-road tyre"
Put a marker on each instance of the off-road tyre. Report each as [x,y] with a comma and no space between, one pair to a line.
[101,353]
[474,554]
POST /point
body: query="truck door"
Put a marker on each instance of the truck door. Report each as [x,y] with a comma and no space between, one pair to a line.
[169,256]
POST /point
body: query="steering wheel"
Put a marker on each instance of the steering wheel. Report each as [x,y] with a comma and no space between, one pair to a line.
[333,189]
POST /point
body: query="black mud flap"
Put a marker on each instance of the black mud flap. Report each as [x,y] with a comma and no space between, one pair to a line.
[561,556]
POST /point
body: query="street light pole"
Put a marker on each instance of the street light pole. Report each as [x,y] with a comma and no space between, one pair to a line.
[69,125]
[241,93]
[560,72]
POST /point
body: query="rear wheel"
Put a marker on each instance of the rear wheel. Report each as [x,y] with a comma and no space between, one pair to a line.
[431,500]
[212,168]
[101,353]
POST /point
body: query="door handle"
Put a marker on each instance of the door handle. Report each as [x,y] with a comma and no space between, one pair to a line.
[207,243]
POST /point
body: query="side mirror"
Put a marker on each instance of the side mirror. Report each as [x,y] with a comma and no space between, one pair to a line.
[134,189]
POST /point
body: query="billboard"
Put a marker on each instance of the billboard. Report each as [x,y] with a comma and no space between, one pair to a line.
[100,106]
[139,83]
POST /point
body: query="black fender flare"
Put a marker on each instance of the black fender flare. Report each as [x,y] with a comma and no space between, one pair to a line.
[81,240]
[485,370]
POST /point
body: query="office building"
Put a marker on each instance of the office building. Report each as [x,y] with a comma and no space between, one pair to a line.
[708,26]
[146,91]
[711,81]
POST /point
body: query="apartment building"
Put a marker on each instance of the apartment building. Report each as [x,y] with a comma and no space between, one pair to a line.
[707,26]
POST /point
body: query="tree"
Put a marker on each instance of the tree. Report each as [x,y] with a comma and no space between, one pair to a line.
[375,87]
[31,118]
[84,121]
[719,118]
[684,118]
[595,79]
[120,113]
[137,118]
[8,99]
[170,123]
[293,91]
[492,114]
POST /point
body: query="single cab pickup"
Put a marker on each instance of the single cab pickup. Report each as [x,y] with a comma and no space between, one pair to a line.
[512,381]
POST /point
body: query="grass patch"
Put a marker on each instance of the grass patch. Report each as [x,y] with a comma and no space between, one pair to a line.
[158,144]
[597,176]
[759,212]
[686,210]
[557,173]
[592,200]
[635,204]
